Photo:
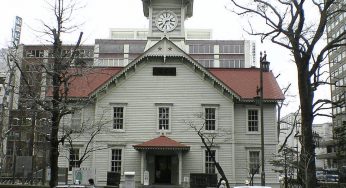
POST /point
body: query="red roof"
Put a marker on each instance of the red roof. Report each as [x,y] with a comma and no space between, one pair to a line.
[89,81]
[161,142]
[244,82]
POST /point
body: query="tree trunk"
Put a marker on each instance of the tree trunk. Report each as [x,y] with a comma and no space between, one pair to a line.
[306,100]
[54,145]
[54,142]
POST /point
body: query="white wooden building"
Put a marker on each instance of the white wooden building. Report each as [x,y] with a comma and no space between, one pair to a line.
[146,110]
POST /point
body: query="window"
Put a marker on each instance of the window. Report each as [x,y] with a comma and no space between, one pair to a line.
[164,113]
[76,119]
[206,62]
[118,117]
[252,120]
[234,48]
[116,160]
[209,164]
[254,162]
[34,53]
[201,48]
[74,157]
[232,63]
[164,71]
[210,118]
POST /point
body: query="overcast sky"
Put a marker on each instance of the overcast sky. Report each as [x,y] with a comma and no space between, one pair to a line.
[98,16]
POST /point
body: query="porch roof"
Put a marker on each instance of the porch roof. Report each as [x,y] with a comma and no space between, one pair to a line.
[161,143]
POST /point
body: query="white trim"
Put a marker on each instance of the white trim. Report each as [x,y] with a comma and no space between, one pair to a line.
[164,105]
[203,156]
[122,158]
[253,149]
[247,120]
[81,121]
[118,105]
[216,107]
[69,157]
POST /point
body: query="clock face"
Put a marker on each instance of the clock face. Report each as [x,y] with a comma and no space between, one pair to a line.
[166,21]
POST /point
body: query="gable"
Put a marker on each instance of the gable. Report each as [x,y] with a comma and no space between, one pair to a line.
[238,83]
[165,49]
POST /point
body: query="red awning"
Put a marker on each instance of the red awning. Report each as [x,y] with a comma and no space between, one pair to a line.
[161,143]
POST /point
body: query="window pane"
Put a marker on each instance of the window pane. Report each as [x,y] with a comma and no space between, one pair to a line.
[209,164]
[210,118]
[76,119]
[164,118]
[74,157]
[118,117]
[254,162]
[116,160]
[253,120]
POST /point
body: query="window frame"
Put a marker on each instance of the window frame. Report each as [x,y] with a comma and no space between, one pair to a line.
[79,118]
[122,118]
[72,163]
[165,71]
[207,118]
[249,163]
[211,106]
[248,121]
[169,119]
[120,105]
[163,105]
[121,159]
[204,150]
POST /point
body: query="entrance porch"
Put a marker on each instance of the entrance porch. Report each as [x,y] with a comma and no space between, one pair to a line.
[161,162]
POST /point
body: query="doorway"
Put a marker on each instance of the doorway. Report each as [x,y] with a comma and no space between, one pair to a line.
[163,169]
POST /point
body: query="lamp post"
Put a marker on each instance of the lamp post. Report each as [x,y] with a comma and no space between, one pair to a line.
[264,67]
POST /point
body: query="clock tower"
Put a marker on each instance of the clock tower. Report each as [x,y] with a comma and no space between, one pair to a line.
[166,19]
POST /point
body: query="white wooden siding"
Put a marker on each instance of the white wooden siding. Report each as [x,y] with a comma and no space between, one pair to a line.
[187,91]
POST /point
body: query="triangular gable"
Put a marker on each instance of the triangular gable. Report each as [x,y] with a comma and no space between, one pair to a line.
[161,142]
[165,49]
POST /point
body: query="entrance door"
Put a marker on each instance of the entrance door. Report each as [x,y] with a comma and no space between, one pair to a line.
[163,169]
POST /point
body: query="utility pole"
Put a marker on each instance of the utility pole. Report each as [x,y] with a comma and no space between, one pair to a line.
[264,67]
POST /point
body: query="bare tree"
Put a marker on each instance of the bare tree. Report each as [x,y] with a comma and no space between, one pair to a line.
[252,173]
[4,130]
[208,140]
[88,132]
[63,66]
[60,77]
[284,159]
[288,27]
[292,126]
[282,104]
[285,163]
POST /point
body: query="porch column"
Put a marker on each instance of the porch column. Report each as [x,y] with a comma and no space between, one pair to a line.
[143,165]
[180,158]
